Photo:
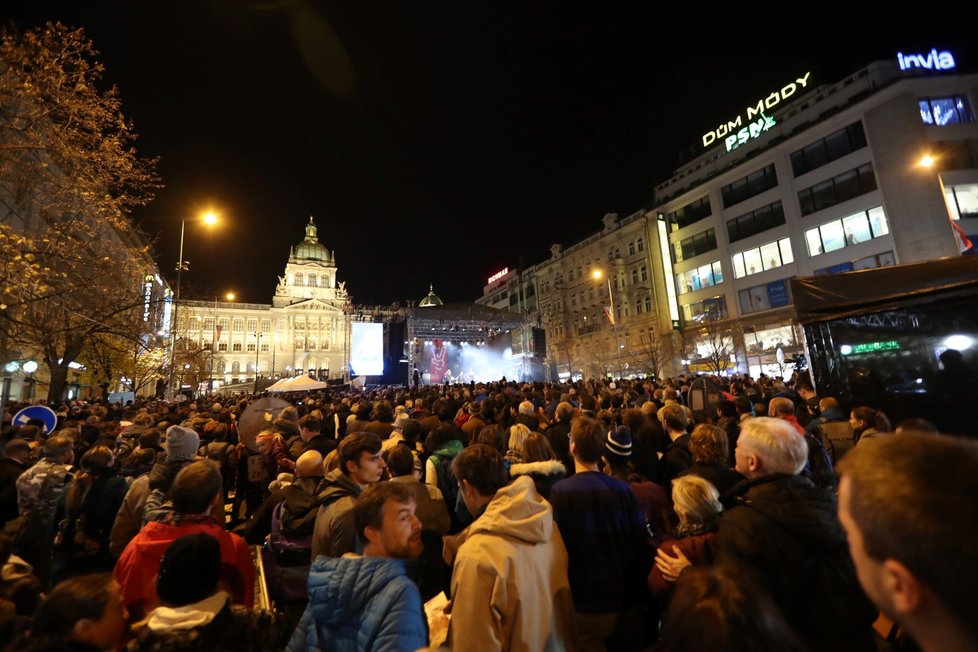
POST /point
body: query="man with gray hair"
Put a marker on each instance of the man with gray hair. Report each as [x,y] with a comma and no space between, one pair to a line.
[558,434]
[785,530]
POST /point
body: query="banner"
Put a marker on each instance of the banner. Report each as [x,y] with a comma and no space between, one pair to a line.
[609,315]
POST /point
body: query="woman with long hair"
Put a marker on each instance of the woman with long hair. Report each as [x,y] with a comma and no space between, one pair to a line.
[868,422]
[91,501]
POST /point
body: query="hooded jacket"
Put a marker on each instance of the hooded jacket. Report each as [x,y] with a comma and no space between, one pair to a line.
[335,533]
[544,474]
[360,604]
[139,563]
[509,585]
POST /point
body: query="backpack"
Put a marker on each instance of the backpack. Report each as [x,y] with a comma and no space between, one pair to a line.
[838,438]
[819,468]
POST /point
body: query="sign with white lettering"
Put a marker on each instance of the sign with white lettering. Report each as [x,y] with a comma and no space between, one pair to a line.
[147,296]
[933,60]
[755,112]
[498,275]
[753,130]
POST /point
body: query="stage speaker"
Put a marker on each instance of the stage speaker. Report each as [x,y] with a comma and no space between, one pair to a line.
[539,343]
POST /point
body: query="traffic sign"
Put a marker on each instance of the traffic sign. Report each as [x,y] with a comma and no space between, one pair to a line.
[42,412]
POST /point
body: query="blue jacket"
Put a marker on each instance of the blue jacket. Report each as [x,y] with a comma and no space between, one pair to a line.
[361,604]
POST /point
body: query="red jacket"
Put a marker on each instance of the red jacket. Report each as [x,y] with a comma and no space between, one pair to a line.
[139,563]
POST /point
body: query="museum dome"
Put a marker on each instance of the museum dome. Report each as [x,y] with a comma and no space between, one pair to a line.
[430,300]
[311,248]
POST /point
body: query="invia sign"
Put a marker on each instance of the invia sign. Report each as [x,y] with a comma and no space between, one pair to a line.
[754,113]
[933,60]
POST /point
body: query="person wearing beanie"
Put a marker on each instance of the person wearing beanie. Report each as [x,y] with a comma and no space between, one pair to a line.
[181,448]
[596,511]
[195,492]
[196,613]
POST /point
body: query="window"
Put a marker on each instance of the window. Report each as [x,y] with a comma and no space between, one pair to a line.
[830,192]
[700,277]
[689,214]
[236,346]
[208,323]
[252,325]
[300,343]
[648,304]
[856,228]
[715,308]
[760,259]
[631,248]
[238,325]
[266,325]
[765,297]
[640,245]
[298,280]
[758,221]
[300,325]
[749,186]
[324,345]
[311,344]
[324,281]
[312,280]
[634,277]
[638,307]
[830,148]
[223,323]
[962,201]
[264,348]
[942,111]
[643,272]
[695,245]
[222,346]
[251,347]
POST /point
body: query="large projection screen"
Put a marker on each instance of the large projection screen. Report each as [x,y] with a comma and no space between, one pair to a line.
[367,349]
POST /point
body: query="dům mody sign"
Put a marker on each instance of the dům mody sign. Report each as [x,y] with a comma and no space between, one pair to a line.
[741,126]
[933,60]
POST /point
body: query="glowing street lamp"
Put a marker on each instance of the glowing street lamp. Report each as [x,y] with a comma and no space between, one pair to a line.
[210,219]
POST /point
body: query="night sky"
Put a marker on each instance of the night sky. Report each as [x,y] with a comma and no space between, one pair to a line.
[440,142]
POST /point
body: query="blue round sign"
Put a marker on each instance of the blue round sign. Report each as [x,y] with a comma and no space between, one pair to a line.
[42,412]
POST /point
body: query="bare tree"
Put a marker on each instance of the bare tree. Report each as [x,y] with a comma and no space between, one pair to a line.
[650,354]
[71,261]
[716,338]
[563,353]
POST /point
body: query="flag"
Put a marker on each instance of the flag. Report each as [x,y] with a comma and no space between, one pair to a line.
[217,331]
[964,243]
[609,315]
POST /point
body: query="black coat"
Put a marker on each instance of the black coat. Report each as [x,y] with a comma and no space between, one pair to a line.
[10,470]
[786,530]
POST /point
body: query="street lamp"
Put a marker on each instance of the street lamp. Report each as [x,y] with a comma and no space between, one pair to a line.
[209,218]
[611,316]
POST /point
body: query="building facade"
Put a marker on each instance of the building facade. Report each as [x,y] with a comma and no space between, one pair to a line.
[305,330]
[830,182]
[811,179]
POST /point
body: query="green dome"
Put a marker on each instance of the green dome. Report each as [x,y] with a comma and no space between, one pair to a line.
[430,300]
[311,248]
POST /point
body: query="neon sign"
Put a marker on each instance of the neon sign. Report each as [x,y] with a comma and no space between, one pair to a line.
[869,347]
[498,275]
[147,296]
[753,130]
[934,60]
[755,111]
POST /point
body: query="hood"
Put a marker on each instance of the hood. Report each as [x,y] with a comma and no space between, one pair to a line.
[517,511]
[335,486]
[341,587]
[808,513]
[546,467]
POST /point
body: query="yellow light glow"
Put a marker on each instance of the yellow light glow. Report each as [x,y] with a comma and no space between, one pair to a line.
[596,274]
[229,296]
[926,161]
[210,218]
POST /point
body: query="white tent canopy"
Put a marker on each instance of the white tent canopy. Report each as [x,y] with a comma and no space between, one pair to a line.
[297,384]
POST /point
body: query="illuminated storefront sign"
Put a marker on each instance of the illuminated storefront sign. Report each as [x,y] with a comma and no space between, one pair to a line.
[755,111]
[933,60]
[498,275]
[753,130]
[147,296]
[869,347]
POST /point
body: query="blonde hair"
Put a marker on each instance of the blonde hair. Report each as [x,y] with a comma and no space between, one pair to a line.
[517,435]
[697,499]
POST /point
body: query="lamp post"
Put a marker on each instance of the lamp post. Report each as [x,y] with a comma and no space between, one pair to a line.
[614,324]
[209,218]
[257,350]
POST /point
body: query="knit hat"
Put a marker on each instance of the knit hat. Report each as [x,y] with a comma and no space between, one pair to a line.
[181,443]
[400,420]
[618,445]
[189,570]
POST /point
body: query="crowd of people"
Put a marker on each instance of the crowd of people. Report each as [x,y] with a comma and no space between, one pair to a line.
[598,515]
